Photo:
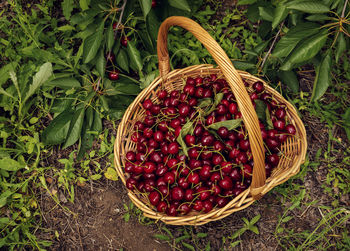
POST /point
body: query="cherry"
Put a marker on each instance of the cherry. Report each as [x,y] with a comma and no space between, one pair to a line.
[221,201]
[206,155]
[217,159]
[154,3]
[215,176]
[247,171]
[244,145]
[280,113]
[198,80]
[174,101]
[198,205]
[235,174]
[130,156]
[207,140]
[258,86]
[193,153]
[221,109]
[272,143]
[113,75]
[156,157]
[124,41]
[172,162]
[158,136]
[203,193]
[183,183]
[223,132]
[149,185]
[147,104]
[273,159]
[131,183]
[272,133]
[195,163]
[204,172]
[241,158]
[173,148]
[149,167]
[184,109]
[169,177]
[226,167]
[198,130]
[154,198]
[226,183]
[279,125]
[190,140]
[177,193]
[177,131]
[207,93]
[189,195]
[207,206]
[192,102]
[162,207]
[185,208]
[232,108]
[290,129]
[198,92]
[172,210]
[189,89]
[193,178]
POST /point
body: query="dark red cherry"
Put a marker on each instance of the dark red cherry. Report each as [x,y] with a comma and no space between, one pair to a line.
[258,86]
[131,183]
[154,198]
[290,129]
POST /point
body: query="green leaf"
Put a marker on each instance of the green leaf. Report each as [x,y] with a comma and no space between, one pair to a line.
[242,65]
[287,218]
[39,78]
[64,83]
[217,99]
[202,235]
[84,4]
[317,17]
[110,38]
[205,102]
[186,129]
[75,127]
[186,245]
[162,237]
[92,44]
[289,78]
[260,109]
[122,60]
[97,124]
[266,13]
[9,164]
[310,6]
[341,47]
[67,8]
[288,42]
[134,56]
[87,138]
[148,79]
[57,130]
[305,51]
[180,4]
[229,124]
[346,118]
[255,219]
[4,196]
[4,71]
[245,2]
[145,6]
[101,63]
[323,78]
[152,24]
[111,174]
[254,229]
[280,14]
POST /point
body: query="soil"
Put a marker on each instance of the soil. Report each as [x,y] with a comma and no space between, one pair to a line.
[95,221]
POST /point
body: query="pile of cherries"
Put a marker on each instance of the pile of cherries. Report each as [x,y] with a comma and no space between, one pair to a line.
[204,168]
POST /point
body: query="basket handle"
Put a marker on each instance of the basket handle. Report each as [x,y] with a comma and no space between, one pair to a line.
[234,80]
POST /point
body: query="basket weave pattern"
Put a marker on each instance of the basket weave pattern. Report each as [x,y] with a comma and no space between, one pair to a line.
[293,150]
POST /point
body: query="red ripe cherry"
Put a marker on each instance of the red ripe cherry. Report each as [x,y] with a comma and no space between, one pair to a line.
[221,201]
[207,206]
[192,102]
[189,195]
[265,96]
[233,153]
[238,115]
[184,109]
[148,133]
[221,109]
[162,94]
[207,140]
[184,208]
[226,183]
[193,178]
[161,170]
[129,167]
[141,187]
[149,185]
[263,134]
[215,176]
[193,153]
[177,131]
[282,137]
[158,136]
[198,130]
[206,155]
[190,81]
[217,159]
[203,193]
[173,148]
[164,190]
[204,172]
[198,80]
[175,123]
[226,167]
[272,143]
[272,133]
[149,167]
[218,146]
[198,93]
[233,136]
[156,157]
[232,108]
[154,198]
[194,163]
[244,145]
[273,159]
[177,193]
[290,129]
[130,156]
[149,121]
[169,178]
[155,109]
[124,41]
[183,97]
[242,158]
[147,104]
[183,183]
[223,132]
[113,75]
[131,183]
[210,120]
[247,171]
[279,125]
[215,189]
[280,113]
[160,182]
[189,89]
[235,174]
[254,96]
[258,86]
[174,94]
[162,207]
[172,163]
[172,210]
[198,205]
[174,101]
[208,93]
[190,140]
[154,3]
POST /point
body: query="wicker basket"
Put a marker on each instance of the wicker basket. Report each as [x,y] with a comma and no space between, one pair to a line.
[294,149]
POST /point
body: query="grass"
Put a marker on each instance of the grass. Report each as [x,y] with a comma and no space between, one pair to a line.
[30,168]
